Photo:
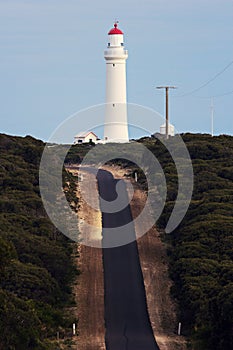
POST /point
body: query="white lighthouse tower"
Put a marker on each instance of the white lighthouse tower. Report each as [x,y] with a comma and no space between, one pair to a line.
[116,125]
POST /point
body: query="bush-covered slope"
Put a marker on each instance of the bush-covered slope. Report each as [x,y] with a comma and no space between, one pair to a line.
[35,259]
[201,248]
[36,265]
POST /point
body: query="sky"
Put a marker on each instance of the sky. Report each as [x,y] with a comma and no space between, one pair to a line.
[52,64]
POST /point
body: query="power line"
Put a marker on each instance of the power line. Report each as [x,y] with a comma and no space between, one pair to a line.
[207,82]
[215,96]
[210,96]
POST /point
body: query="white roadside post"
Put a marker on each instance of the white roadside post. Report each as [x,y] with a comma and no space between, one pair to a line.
[179,328]
[74,329]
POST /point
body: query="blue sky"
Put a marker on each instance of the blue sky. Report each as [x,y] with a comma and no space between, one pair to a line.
[52,65]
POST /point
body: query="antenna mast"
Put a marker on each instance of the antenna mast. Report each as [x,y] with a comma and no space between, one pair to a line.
[212,116]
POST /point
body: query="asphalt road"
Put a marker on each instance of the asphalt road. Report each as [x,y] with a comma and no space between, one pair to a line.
[126,317]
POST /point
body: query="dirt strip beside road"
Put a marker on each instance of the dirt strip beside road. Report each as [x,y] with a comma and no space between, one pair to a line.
[89,287]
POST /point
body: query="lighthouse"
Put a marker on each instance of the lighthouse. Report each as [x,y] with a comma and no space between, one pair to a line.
[116,125]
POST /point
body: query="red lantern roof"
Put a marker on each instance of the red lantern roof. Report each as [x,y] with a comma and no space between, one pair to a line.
[115,30]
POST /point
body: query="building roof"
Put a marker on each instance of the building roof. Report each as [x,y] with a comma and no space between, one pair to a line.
[115,30]
[85,134]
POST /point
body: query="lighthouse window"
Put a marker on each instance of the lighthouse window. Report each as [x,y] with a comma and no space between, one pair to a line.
[122,44]
[113,104]
[113,65]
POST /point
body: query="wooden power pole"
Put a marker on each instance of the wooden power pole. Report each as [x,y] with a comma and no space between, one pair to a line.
[167,116]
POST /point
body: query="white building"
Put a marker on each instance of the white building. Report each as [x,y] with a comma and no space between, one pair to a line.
[171,129]
[85,136]
[116,125]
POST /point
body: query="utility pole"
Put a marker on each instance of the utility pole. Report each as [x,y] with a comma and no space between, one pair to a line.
[167,117]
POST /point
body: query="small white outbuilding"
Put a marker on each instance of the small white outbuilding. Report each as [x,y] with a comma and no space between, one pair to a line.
[85,137]
[171,129]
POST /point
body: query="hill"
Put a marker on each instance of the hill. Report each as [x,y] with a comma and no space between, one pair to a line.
[37,268]
[201,248]
[36,261]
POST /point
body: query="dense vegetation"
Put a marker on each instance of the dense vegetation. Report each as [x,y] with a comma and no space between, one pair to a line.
[36,261]
[201,248]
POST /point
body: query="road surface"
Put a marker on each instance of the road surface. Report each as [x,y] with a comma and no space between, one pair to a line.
[126,316]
